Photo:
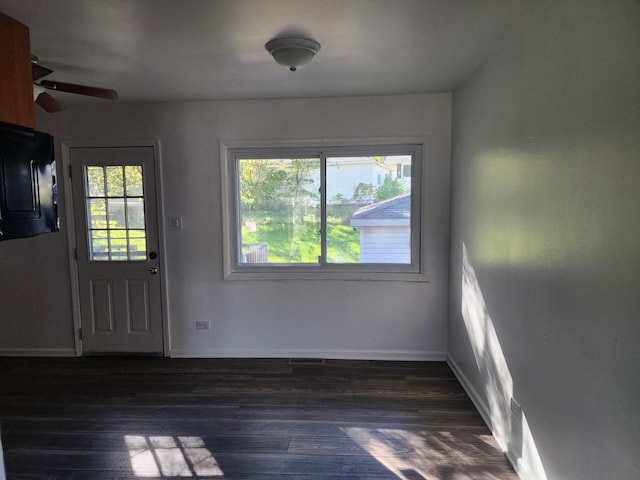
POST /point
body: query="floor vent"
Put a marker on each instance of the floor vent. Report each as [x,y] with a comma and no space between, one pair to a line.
[306,361]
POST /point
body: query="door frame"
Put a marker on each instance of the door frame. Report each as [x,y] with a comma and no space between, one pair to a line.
[64,173]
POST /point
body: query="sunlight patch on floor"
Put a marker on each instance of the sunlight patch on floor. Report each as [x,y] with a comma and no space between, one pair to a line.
[432,455]
[167,457]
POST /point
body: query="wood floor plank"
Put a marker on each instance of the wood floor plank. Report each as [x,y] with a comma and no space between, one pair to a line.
[110,441]
[109,418]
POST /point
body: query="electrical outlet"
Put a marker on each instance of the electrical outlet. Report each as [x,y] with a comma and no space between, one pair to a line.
[202,324]
[515,406]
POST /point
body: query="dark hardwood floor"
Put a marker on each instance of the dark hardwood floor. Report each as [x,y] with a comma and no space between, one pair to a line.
[128,418]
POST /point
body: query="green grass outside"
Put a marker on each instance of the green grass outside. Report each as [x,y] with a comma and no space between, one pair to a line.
[300,243]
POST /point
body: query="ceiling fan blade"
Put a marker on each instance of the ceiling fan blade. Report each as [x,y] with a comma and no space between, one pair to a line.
[49,103]
[80,89]
[38,71]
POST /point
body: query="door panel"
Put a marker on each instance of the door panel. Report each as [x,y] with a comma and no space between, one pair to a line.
[138,298]
[101,306]
[114,201]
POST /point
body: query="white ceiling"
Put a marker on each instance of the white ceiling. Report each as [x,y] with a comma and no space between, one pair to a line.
[214,49]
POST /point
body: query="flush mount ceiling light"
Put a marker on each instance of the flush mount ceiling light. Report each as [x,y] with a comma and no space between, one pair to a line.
[292,53]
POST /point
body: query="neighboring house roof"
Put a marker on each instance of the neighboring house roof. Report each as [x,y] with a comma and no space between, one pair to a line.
[394,211]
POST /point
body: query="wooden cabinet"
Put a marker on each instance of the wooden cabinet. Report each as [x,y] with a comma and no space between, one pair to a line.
[16,90]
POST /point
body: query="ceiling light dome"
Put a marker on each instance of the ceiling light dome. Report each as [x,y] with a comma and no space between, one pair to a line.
[292,53]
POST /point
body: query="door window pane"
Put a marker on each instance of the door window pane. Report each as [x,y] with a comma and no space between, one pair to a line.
[116,224]
[95,181]
[118,245]
[97,213]
[137,245]
[99,244]
[117,216]
[133,175]
[115,181]
[135,212]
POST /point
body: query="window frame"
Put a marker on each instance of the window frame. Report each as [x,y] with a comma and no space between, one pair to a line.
[87,197]
[231,152]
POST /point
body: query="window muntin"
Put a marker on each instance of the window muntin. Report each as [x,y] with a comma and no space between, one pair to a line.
[315,226]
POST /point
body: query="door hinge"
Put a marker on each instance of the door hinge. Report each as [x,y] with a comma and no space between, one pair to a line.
[80,333]
[70,175]
[75,253]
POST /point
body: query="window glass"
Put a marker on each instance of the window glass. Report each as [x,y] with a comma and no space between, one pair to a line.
[367,223]
[134,180]
[279,210]
[115,219]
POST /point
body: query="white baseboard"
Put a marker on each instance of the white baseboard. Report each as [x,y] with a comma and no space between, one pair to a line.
[328,354]
[477,400]
[37,352]
[522,468]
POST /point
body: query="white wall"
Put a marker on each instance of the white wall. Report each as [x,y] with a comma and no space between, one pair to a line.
[35,303]
[399,320]
[545,241]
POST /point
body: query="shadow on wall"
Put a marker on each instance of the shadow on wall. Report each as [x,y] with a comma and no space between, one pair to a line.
[508,423]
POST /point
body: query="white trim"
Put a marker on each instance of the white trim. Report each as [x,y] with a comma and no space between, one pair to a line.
[283,273]
[392,355]
[229,143]
[415,272]
[37,352]
[154,143]
[71,244]
[164,285]
[523,470]
[477,400]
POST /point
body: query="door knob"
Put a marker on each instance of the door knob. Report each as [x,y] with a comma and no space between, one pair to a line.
[153,270]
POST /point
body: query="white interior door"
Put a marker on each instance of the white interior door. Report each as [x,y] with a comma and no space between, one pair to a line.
[114,201]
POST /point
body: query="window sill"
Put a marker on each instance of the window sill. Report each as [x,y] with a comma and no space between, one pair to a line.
[304,273]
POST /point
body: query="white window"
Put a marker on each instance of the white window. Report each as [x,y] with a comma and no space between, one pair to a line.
[315,213]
